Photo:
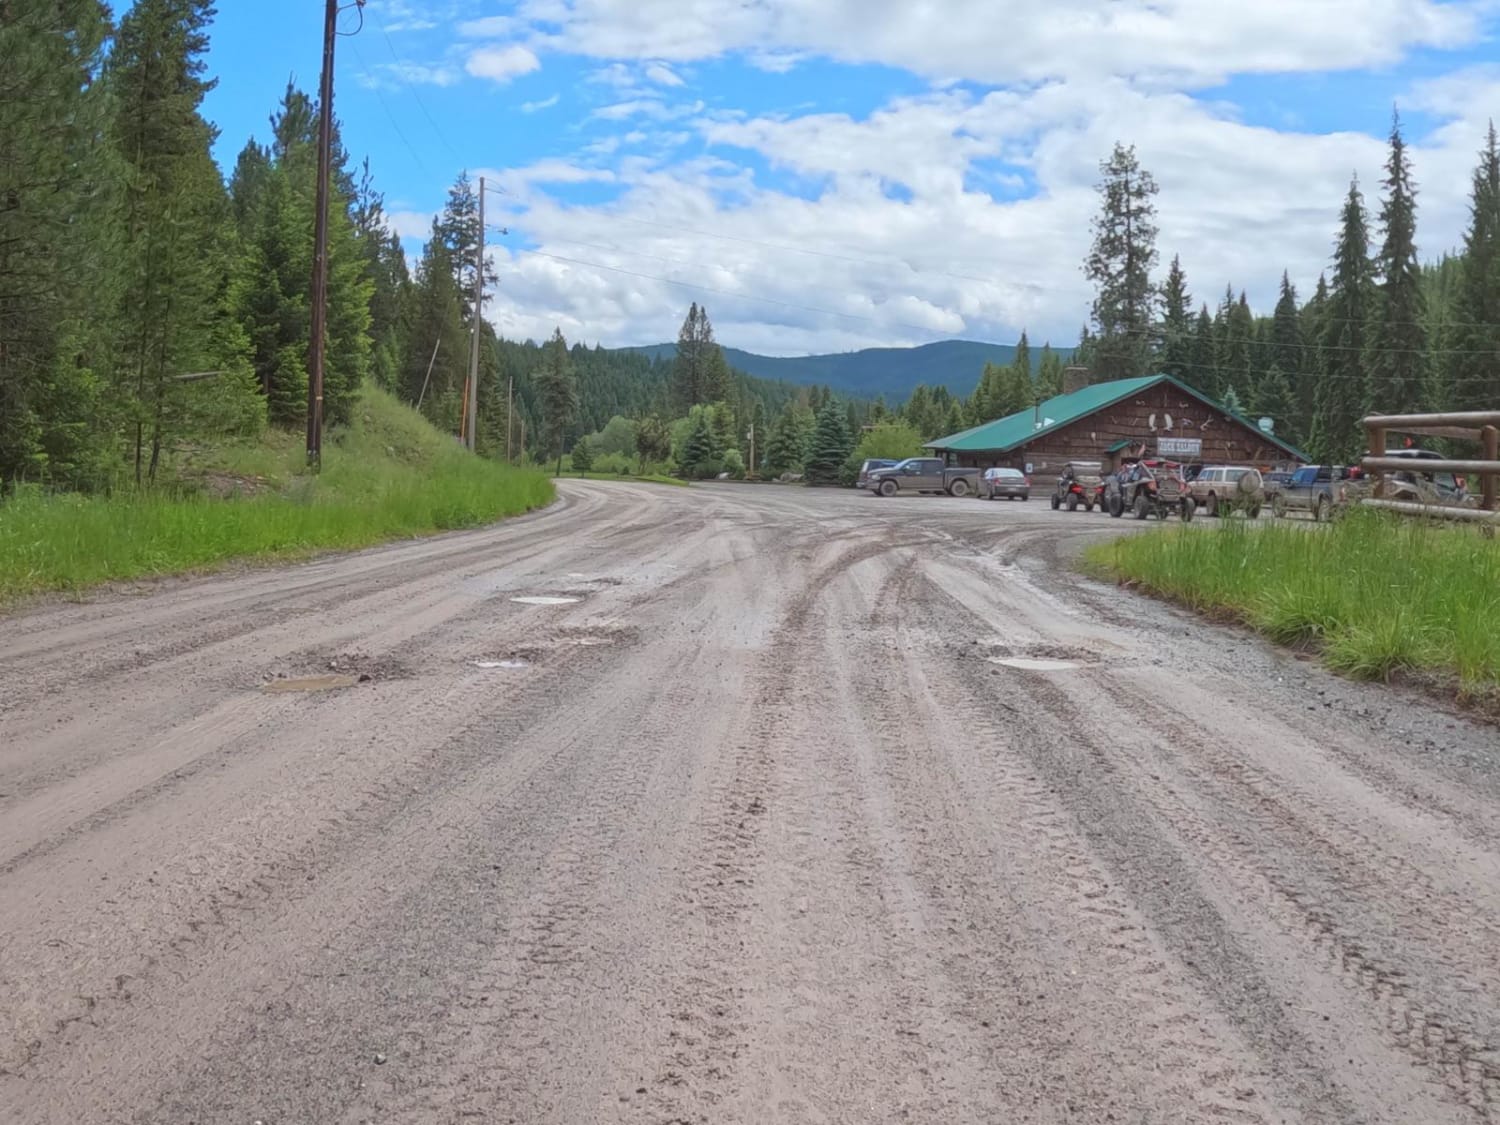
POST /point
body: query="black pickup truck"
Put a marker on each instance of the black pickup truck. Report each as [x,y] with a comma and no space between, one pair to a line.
[924,474]
[1314,489]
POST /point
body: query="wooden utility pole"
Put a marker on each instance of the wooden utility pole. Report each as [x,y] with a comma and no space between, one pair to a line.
[472,413]
[317,339]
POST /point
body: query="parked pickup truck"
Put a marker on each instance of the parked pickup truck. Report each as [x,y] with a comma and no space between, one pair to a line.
[924,474]
[1222,489]
[1319,489]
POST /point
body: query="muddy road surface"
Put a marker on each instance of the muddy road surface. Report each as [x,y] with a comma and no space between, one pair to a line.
[728,805]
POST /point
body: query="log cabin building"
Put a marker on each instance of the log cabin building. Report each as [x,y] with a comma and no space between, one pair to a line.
[1155,415]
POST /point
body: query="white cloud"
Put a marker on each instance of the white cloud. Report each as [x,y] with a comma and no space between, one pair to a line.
[615,74]
[502,63]
[662,75]
[954,212]
[403,15]
[522,186]
[489,27]
[410,224]
[545,103]
[396,74]
[852,267]
[652,108]
[1196,41]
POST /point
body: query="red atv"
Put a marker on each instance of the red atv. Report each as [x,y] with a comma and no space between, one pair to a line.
[1078,486]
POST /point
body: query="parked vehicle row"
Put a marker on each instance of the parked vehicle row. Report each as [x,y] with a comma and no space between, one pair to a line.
[1159,487]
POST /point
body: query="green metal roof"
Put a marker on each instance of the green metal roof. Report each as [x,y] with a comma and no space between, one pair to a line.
[1006,434]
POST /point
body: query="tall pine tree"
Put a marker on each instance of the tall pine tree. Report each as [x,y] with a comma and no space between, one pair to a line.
[1396,364]
[559,395]
[1119,264]
[1049,374]
[831,445]
[57,244]
[699,371]
[1341,394]
[1473,345]
[1204,362]
[175,210]
[1176,331]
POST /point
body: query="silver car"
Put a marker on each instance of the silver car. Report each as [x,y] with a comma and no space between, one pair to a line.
[1009,483]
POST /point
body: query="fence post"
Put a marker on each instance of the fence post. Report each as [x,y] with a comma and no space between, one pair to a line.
[1490,436]
[1375,436]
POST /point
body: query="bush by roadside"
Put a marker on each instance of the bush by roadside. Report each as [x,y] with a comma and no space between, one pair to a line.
[1375,595]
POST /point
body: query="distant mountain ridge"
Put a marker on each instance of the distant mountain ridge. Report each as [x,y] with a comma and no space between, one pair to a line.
[892,372]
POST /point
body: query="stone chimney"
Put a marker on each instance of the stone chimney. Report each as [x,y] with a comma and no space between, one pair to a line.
[1075,379]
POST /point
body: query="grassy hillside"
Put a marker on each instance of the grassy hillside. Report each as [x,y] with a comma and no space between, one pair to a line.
[389,475]
[893,372]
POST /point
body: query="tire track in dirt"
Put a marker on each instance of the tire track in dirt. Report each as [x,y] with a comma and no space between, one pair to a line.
[1465,1059]
[1166,1055]
[714,1024]
[1055,716]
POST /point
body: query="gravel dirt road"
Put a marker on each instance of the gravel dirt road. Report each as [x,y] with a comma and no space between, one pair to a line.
[806,807]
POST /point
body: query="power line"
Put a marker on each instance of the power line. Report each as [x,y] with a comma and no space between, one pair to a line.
[389,115]
[401,61]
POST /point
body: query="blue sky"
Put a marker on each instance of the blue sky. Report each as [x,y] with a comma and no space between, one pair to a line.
[831,174]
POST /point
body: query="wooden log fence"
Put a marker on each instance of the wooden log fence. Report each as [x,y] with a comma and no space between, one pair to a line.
[1480,426]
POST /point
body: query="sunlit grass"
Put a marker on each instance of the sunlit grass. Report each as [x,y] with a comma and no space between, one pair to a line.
[1375,594]
[388,476]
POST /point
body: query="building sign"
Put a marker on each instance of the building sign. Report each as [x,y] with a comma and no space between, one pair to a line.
[1179,447]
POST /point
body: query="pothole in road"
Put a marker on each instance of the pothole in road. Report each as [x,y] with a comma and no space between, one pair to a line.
[1037,657]
[1033,664]
[556,647]
[312,673]
[596,636]
[290,684]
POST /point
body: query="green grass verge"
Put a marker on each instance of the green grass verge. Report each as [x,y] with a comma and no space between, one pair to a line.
[1374,594]
[649,478]
[388,476]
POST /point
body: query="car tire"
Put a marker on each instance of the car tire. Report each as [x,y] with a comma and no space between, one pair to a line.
[959,488]
[1253,512]
[1320,510]
[1056,504]
[1278,507]
[1189,507]
[1116,507]
[1072,503]
[1211,507]
[888,488]
[1141,508]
